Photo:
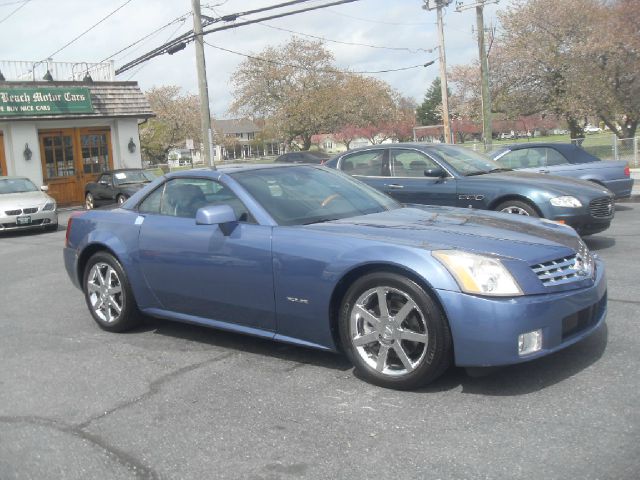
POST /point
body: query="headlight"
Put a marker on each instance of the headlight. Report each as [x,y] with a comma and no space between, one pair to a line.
[566,201]
[49,206]
[478,274]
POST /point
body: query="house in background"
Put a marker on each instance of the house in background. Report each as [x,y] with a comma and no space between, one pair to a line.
[242,138]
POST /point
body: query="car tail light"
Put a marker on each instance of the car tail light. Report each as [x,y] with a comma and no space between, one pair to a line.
[627,172]
[74,214]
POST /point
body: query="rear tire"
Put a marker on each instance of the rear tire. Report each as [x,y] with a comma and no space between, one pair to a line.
[517,207]
[89,202]
[108,294]
[120,199]
[394,332]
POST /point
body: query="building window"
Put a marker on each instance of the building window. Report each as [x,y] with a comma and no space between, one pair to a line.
[58,154]
[95,151]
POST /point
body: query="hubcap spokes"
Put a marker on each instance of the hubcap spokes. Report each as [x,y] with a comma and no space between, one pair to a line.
[89,203]
[515,210]
[105,292]
[389,331]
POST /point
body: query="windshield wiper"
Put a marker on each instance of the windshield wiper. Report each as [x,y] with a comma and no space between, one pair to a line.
[500,170]
[481,172]
[322,220]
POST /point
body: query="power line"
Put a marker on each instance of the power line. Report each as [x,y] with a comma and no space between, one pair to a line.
[401,49]
[89,29]
[14,11]
[323,70]
[181,41]
[383,22]
[181,18]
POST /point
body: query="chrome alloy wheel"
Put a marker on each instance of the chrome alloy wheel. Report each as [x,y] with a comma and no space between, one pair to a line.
[516,210]
[120,200]
[104,291]
[88,202]
[389,331]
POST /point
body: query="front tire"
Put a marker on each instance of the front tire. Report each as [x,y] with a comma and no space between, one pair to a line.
[517,207]
[89,201]
[120,199]
[108,294]
[393,332]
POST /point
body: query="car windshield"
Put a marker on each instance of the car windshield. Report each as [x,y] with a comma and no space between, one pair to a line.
[303,194]
[133,176]
[465,161]
[16,185]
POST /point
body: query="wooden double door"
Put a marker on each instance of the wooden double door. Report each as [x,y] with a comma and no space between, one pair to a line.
[3,159]
[73,157]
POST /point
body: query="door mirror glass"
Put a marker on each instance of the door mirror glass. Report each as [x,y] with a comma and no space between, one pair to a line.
[435,172]
[215,215]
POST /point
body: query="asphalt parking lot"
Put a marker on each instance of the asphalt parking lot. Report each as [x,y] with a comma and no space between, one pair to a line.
[178,401]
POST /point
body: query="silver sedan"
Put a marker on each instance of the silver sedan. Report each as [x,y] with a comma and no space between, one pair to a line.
[24,206]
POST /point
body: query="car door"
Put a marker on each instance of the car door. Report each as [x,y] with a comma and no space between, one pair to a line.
[414,179]
[104,189]
[198,269]
[370,166]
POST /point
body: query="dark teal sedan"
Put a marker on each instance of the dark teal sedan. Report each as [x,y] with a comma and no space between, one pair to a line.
[439,174]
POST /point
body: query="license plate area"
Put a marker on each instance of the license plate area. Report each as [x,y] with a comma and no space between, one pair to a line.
[23,220]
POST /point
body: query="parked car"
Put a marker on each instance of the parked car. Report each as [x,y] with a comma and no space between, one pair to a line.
[307,255]
[115,186]
[303,157]
[24,206]
[567,160]
[439,174]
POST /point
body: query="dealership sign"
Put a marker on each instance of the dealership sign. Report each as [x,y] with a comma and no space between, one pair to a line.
[44,101]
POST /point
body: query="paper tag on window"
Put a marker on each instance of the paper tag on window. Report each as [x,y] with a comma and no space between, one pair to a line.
[139,220]
[121,176]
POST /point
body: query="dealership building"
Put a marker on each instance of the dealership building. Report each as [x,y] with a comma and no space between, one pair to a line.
[62,131]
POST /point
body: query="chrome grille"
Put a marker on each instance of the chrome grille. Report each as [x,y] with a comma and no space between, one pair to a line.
[30,210]
[566,269]
[601,207]
[13,212]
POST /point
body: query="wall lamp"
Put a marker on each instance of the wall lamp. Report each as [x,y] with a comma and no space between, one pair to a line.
[27,152]
[131,145]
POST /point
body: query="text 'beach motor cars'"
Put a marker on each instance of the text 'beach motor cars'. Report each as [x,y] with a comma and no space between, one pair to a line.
[115,186]
[567,160]
[307,255]
[439,174]
[25,206]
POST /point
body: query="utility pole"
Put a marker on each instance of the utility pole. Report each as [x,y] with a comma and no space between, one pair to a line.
[438,5]
[203,89]
[487,133]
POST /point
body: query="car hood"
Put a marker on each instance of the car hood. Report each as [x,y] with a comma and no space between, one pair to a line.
[9,201]
[560,185]
[485,232]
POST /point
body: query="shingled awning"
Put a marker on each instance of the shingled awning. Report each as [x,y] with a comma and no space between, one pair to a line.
[108,99]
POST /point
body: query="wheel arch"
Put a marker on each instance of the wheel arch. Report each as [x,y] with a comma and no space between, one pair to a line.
[342,286]
[87,253]
[520,198]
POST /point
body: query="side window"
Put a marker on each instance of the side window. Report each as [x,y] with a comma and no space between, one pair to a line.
[106,178]
[371,163]
[523,158]
[554,157]
[184,196]
[409,163]
[151,204]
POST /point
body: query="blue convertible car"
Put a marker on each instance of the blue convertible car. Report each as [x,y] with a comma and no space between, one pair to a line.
[310,256]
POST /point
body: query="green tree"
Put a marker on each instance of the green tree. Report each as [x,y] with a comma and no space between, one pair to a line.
[177,118]
[430,111]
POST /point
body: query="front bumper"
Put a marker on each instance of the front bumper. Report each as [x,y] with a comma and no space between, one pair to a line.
[485,330]
[39,219]
[582,221]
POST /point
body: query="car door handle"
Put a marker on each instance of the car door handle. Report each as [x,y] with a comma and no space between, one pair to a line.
[543,170]
[394,186]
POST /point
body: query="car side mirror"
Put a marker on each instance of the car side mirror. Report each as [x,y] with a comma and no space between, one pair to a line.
[435,173]
[221,215]
[44,188]
[103,182]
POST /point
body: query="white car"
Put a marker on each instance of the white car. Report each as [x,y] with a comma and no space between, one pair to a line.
[24,206]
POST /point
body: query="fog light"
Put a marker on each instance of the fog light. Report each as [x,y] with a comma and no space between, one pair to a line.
[529,342]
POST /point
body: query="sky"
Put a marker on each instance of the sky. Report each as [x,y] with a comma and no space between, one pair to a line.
[41,27]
